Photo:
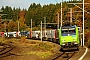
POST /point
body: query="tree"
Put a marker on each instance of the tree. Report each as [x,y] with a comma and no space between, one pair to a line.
[16,12]
[22,20]
[12,26]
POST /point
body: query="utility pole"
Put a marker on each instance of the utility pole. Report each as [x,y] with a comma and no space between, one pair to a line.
[18,25]
[41,31]
[83,23]
[45,22]
[31,29]
[70,21]
[83,16]
[45,25]
[71,16]
[61,12]
[5,25]
[58,21]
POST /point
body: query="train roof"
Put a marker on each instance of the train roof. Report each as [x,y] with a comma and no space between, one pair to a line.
[68,26]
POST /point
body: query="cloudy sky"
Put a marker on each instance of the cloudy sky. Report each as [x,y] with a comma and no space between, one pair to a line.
[25,3]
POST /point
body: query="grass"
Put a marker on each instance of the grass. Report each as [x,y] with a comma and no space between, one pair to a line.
[2,40]
[40,54]
[40,49]
[44,46]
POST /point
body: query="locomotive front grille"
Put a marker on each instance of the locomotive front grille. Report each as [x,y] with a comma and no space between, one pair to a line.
[69,43]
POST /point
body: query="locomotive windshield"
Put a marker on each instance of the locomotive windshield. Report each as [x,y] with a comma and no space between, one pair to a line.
[68,31]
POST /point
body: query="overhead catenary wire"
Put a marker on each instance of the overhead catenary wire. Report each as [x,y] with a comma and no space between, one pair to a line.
[56,1]
[82,9]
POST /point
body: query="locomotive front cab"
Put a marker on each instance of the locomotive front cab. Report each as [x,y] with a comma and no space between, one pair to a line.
[69,37]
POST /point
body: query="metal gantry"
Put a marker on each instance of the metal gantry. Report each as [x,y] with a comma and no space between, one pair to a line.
[83,19]
[83,14]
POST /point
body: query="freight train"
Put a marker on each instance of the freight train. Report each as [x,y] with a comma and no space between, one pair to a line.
[67,37]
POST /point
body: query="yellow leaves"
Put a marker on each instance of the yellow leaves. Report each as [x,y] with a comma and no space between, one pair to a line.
[87,1]
[12,26]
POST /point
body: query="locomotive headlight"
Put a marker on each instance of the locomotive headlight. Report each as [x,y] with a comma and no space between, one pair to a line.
[63,44]
[63,41]
[75,43]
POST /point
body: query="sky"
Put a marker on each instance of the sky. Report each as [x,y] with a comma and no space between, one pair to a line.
[25,3]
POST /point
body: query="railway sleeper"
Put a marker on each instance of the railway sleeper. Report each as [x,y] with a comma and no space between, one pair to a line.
[5,51]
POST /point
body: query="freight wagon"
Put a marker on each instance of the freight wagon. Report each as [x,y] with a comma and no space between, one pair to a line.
[35,34]
[52,35]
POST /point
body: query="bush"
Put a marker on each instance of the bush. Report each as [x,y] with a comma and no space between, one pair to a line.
[23,39]
[87,36]
[2,39]
[89,43]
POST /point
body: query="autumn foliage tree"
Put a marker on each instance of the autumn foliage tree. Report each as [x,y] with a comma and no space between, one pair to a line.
[22,20]
[12,26]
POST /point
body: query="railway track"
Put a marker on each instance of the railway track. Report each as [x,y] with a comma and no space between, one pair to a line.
[64,56]
[5,50]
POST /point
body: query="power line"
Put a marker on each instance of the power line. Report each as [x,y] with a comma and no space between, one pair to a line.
[56,1]
[82,9]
